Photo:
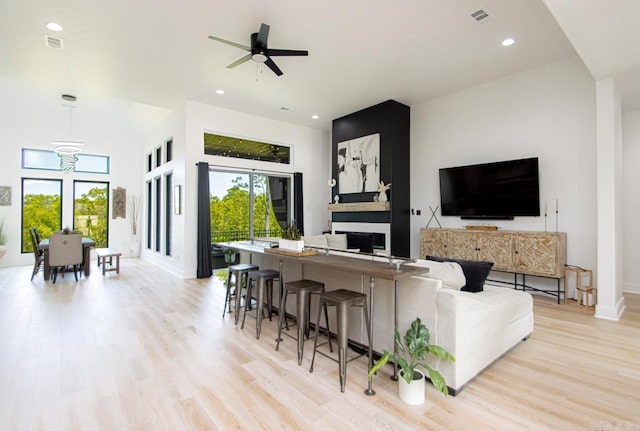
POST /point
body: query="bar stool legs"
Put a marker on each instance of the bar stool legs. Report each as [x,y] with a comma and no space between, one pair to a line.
[240,272]
[342,299]
[264,282]
[303,289]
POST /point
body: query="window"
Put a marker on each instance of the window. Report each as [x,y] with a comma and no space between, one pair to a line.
[227,146]
[245,205]
[158,211]
[91,210]
[158,156]
[149,214]
[92,163]
[149,162]
[41,208]
[169,150]
[168,210]
[49,160]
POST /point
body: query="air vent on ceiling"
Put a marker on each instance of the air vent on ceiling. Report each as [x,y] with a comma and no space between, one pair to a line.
[52,42]
[479,15]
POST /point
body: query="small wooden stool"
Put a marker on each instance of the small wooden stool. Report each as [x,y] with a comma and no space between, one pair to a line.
[106,255]
[582,290]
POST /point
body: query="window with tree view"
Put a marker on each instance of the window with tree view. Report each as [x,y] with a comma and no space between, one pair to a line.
[41,208]
[250,205]
[91,210]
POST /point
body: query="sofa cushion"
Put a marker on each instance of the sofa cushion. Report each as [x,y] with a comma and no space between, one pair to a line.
[315,240]
[338,240]
[475,271]
[450,273]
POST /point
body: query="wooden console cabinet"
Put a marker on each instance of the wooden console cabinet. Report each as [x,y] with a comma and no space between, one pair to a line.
[542,254]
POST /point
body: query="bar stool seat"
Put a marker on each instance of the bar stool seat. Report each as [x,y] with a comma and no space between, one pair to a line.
[264,282]
[303,289]
[342,299]
[240,272]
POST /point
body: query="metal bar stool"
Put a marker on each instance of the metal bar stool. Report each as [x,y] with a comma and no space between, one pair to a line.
[303,289]
[343,299]
[263,281]
[240,272]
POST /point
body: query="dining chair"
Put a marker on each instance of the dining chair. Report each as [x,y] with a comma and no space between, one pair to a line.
[65,250]
[37,252]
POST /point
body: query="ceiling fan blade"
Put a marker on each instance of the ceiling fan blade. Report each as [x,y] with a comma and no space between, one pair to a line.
[228,42]
[239,61]
[271,65]
[286,52]
[263,35]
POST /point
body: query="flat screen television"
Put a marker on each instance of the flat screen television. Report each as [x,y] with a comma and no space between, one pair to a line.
[500,190]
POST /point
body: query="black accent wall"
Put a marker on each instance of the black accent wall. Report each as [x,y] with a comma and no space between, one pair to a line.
[392,120]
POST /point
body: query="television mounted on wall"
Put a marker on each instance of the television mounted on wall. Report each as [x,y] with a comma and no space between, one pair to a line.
[499,190]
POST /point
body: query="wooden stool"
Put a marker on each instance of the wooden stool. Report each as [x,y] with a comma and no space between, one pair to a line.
[108,253]
[264,282]
[582,290]
[342,299]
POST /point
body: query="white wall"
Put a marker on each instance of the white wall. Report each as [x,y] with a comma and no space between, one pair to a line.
[310,149]
[32,118]
[546,112]
[172,128]
[631,227]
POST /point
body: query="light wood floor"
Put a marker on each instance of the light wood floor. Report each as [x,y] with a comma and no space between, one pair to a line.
[144,350]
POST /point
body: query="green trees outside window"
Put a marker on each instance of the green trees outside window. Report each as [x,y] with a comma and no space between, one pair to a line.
[41,208]
[231,210]
[91,210]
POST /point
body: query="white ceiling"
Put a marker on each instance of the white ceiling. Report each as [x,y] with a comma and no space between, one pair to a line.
[361,52]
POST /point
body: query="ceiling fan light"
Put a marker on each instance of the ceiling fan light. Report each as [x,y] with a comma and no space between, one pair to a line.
[259,57]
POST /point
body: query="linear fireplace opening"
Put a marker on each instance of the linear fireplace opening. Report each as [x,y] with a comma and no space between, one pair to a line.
[381,231]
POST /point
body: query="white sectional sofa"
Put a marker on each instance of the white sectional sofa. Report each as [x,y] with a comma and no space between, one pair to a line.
[477,328]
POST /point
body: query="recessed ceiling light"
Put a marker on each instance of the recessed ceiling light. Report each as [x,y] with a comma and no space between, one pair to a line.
[315,117]
[284,108]
[219,91]
[53,26]
[508,42]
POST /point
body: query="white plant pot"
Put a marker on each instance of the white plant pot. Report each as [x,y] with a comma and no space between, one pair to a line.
[412,393]
[291,245]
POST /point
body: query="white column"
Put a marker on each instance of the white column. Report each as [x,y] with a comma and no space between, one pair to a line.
[609,197]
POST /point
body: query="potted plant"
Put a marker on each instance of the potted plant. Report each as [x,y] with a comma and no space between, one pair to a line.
[412,353]
[291,239]
[230,256]
[3,240]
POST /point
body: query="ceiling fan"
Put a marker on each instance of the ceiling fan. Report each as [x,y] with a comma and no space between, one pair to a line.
[259,52]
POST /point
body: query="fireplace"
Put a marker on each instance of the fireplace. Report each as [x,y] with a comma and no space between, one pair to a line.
[382,231]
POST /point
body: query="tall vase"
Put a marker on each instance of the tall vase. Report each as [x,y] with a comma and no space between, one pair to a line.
[412,393]
[134,246]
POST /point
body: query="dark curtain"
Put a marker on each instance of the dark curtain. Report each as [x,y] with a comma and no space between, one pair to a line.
[204,222]
[298,214]
[278,193]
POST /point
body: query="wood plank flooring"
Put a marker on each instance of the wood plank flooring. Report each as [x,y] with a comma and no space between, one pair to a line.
[144,350]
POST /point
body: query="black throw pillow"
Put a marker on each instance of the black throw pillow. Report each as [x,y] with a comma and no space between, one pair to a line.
[475,271]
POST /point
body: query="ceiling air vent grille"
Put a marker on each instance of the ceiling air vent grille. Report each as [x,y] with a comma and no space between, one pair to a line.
[479,15]
[52,42]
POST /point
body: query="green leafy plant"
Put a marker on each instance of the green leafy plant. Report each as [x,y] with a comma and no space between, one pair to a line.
[413,353]
[3,238]
[292,232]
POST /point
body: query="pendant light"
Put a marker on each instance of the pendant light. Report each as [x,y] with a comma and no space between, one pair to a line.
[68,150]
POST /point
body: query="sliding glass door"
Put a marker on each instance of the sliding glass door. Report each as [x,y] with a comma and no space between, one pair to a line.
[248,205]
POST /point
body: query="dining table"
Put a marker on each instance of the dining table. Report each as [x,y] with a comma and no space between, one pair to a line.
[87,243]
[390,268]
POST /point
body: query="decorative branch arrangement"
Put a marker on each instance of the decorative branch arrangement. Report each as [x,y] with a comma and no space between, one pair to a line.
[134,210]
